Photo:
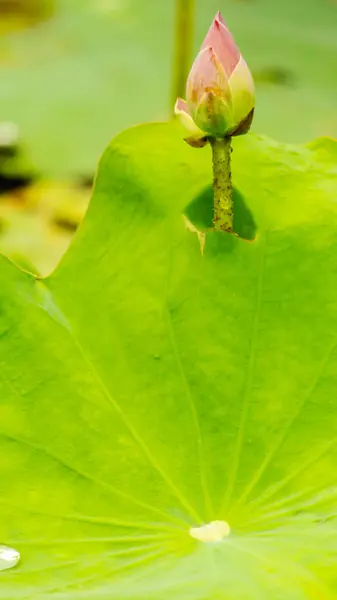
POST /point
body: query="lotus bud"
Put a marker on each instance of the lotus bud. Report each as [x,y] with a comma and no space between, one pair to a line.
[220,92]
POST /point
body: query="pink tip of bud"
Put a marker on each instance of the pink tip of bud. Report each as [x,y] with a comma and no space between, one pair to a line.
[220,19]
[221,40]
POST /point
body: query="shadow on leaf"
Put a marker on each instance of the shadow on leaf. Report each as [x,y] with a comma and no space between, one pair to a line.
[200,211]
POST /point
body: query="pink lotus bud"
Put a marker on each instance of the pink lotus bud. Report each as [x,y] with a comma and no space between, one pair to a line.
[220,89]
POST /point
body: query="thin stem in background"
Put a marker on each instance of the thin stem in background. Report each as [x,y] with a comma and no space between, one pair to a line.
[184,38]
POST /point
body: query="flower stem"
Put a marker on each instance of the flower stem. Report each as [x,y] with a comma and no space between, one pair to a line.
[222,185]
[184,34]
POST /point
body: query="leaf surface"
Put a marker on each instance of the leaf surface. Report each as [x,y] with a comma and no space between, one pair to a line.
[160,380]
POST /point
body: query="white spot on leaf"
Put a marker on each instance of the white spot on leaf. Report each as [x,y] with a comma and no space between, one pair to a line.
[9,558]
[215,531]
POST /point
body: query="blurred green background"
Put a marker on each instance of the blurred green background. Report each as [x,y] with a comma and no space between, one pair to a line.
[75,72]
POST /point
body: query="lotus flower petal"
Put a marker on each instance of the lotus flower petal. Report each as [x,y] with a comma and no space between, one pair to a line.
[195,137]
[244,126]
[182,111]
[221,40]
[206,76]
[220,18]
[242,92]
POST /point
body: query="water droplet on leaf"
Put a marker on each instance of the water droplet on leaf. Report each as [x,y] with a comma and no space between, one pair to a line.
[9,558]
[215,531]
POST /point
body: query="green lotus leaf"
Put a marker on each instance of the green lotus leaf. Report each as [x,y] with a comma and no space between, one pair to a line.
[165,377]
